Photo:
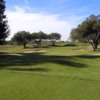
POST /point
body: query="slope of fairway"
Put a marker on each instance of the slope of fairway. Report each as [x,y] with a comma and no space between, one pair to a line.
[59,73]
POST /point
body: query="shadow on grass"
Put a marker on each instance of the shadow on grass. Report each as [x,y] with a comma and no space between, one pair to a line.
[28,59]
[88,56]
[29,69]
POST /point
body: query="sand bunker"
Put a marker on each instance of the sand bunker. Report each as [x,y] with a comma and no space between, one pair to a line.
[92,55]
[95,54]
[41,51]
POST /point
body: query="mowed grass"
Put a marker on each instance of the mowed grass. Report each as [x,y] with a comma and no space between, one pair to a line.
[55,73]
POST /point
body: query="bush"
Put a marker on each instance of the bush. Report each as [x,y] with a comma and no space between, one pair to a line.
[70,44]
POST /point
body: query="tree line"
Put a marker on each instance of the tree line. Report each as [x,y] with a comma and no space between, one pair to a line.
[24,37]
[87,31]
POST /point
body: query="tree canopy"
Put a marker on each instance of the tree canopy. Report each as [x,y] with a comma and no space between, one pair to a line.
[4,29]
[38,37]
[22,38]
[88,31]
[53,37]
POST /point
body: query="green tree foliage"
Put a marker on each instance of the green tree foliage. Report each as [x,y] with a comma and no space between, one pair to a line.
[4,29]
[53,37]
[22,38]
[88,31]
[73,35]
[38,37]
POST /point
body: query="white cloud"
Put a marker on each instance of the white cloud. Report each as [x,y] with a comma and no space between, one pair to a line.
[20,20]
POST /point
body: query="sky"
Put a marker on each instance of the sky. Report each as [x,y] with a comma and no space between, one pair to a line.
[49,15]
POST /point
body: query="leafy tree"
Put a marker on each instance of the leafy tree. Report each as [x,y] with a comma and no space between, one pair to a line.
[73,35]
[53,37]
[22,38]
[4,29]
[38,37]
[88,31]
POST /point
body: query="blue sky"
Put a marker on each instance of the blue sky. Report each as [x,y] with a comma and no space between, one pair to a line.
[64,14]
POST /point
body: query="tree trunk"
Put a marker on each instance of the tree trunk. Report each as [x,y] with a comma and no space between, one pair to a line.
[53,43]
[94,45]
[24,44]
[38,43]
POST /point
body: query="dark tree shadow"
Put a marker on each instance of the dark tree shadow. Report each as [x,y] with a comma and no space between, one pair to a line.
[29,69]
[28,59]
[88,56]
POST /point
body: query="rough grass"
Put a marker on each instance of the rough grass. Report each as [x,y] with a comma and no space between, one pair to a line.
[60,73]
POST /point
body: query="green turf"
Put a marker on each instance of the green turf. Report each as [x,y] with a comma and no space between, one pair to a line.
[60,73]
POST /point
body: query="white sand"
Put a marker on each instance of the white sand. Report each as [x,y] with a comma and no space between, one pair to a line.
[34,51]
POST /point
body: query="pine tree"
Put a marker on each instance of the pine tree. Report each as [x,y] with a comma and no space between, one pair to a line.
[4,28]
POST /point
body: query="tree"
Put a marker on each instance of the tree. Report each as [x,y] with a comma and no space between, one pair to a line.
[89,31]
[22,38]
[73,35]
[53,37]
[38,37]
[4,29]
